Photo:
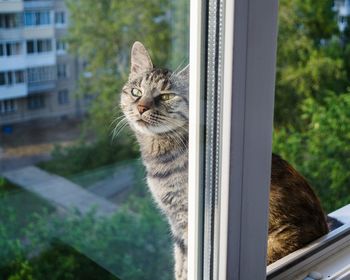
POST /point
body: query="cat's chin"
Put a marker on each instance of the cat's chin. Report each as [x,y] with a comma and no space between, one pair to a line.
[144,128]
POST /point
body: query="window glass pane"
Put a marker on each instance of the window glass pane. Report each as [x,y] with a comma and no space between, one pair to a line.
[17,47]
[13,48]
[19,75]
[2,78]
[62,71]
[36,102]
[312,105]
[48,44]
[40,46]
[1,50]
[8,49]
[37,18]
[45,17]
[60,45]
[9,78]
[92,215]
[63,97]
[28,18]
[60,18]
[7,106]
[30,47]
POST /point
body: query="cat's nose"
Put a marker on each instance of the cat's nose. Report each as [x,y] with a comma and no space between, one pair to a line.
[142,108]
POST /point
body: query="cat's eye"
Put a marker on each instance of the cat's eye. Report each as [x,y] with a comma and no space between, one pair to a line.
[166,96]
[136,92]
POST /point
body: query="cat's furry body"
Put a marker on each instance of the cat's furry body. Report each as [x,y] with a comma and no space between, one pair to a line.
[155,103]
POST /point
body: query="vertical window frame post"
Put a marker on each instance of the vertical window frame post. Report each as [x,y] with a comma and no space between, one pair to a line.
[250,52]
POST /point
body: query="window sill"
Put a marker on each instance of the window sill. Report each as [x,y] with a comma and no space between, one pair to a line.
[329,255]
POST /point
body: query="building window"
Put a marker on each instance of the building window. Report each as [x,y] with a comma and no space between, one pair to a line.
[63,97]
[28,18]
[61,71]
[2,78]
[30,46]
[13,48]
[12,77]
[39,46]
[36,18]
[61,46]
[8,21]
[60,18]
[41,74]
[2,53]
[36,102]
[8,78]
[7,106]
[19,77]
[44,45]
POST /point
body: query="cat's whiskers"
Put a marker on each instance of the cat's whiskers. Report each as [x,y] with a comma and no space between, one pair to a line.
[117,119]
[175,135]
[175,72]
[119,127]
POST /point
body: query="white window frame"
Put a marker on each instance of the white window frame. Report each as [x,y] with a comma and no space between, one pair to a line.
[249,55]
[61,46]
[46,42]
[8,106]
[35,21]
[60,19]
[248,74]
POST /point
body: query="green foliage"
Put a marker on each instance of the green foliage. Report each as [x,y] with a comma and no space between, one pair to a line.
[87,156]
[310,62]
[104,41]
[134,243]
[13,202]
[322,152]
[58,260]
[312,121]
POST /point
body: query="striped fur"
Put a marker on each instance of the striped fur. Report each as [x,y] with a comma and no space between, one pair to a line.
[161,127]
[162,132]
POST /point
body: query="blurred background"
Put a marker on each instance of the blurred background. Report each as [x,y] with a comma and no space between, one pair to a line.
[73,200]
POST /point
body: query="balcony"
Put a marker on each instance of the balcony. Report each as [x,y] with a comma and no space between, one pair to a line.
[11,6]
[13,91]
[42,86]
[8,63]
[39,31]
[42,59]
[11,34]
[38,4]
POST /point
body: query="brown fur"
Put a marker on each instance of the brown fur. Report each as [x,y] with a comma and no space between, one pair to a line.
[296,216]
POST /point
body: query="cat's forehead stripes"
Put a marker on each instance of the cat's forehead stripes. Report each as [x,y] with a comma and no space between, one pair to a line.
[157,78]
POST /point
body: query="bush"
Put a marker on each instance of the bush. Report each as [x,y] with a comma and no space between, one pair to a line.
[321,152]
[134,243]
[81,157]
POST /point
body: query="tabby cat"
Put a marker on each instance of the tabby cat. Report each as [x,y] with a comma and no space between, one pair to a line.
[155,104]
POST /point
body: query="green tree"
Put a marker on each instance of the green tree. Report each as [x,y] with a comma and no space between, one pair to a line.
[312,121]
[310,61]
[103,39]
[133,243]
[322,151]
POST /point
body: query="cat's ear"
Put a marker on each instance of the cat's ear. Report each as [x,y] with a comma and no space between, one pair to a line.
[184,73]
[140,60]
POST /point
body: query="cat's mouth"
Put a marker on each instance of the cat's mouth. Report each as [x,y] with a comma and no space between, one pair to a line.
[142,122]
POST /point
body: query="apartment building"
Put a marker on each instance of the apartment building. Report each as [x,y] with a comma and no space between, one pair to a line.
[342,8]
[37,75]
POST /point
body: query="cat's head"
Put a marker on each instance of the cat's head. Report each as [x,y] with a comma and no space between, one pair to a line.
[154,100]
